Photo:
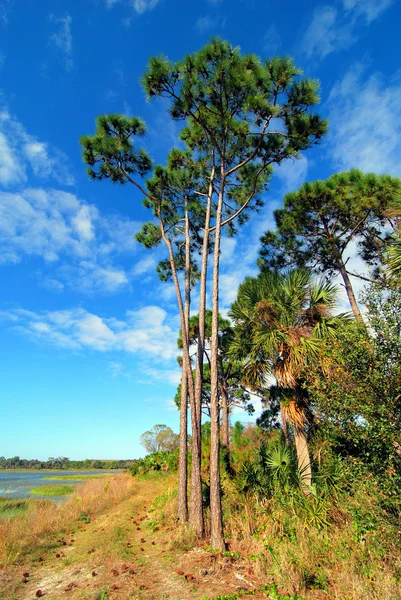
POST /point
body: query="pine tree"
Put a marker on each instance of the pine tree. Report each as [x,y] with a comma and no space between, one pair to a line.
[240,116]
[231,104]
[319,222]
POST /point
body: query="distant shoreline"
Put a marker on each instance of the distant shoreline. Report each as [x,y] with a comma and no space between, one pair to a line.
[119,470]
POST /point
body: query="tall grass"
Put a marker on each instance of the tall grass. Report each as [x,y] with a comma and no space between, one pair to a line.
[41,518]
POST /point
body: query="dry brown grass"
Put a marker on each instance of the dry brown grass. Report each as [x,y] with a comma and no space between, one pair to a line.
[43,518]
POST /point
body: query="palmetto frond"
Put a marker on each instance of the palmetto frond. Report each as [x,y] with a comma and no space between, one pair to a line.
[394,259]
[280,320]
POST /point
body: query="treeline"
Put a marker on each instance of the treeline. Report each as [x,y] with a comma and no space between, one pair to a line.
[330,382]
[62,463]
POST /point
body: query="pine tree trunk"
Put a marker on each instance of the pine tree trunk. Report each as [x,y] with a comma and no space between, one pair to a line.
[224,418]
[183,458]
[304,466]
[197,524]
[350,291]
[196,507]
[216,518]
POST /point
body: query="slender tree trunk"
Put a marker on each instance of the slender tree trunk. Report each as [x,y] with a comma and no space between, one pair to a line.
[197,524]
[196,507]
[350,291]
[216,519]
[183,458]
[224,418]
[304,466]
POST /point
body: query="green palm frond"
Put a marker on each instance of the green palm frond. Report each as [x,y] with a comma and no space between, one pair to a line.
[394,259]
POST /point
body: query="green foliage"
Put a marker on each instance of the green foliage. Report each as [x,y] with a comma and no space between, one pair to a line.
[320,220]
[393,259]
[281,315]
[61,463]
[165,462]
[355,389]
[52,490]
[237,434]
[10,508]
[270,589]
[272,467]
[228,102]
[110,152]
[159,439]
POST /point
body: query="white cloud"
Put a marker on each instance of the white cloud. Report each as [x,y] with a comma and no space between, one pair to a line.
[370,9]
[170,376]
[228,250]
[336,28]
[11,171]
[78,244]
[365,123]
[144,266]
[62,39]
[146,332]
[208,23]
[19,149]
[325,34]
[141,6]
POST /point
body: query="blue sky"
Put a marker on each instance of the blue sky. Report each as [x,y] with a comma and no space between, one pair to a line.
[87,349]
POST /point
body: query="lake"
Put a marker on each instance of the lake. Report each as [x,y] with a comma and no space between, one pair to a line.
[16,484]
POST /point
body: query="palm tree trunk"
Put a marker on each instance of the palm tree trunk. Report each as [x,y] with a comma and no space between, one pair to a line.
[216,518]
[304,465]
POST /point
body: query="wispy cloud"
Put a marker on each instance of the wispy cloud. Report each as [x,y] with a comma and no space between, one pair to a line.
[62,40]
[327,33]
[145,332]
[369,9]
[336,27]
[271,41]
[20,150]
[292,173]
[139,6]
[209,23]
[365,122]
[5,6]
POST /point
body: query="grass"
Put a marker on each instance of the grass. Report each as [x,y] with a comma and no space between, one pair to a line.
[10,508]
[43,518]
[125,531]
[80,477]
[52,490]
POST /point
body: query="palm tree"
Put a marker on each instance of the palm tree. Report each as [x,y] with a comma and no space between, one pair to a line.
[394,260]
[280,320]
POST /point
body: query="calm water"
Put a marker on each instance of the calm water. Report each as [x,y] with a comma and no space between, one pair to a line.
[17,484]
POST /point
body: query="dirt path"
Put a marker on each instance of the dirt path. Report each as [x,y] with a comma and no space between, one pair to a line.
[122,555]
